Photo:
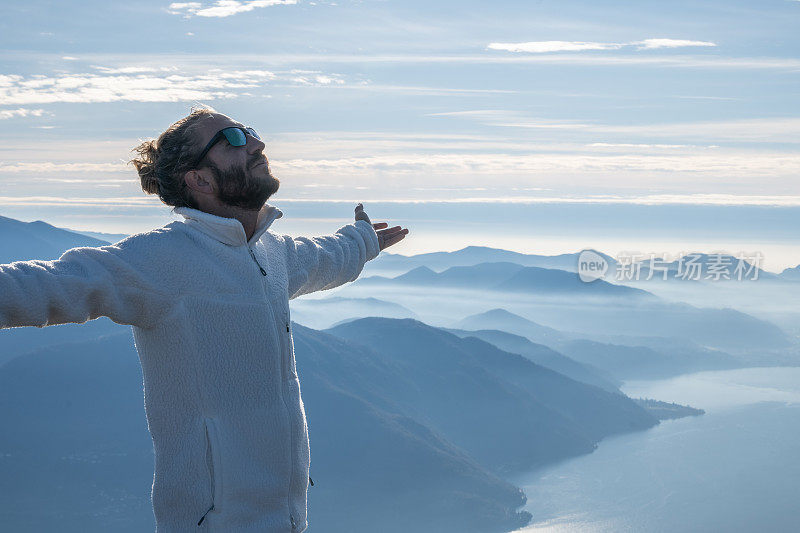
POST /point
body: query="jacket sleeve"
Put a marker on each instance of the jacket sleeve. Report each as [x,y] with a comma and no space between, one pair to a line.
[320,263]
[83,284]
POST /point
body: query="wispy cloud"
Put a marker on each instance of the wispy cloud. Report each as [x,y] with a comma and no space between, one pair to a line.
[774,130]
[540,47]
[146,84]
[653,199]
[222,8]
[723,164]
[127,201]
[51,167]
[21,112]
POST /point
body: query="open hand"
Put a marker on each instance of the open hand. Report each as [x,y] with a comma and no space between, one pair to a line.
[386,237]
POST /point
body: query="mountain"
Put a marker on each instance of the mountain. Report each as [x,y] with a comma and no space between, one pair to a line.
[500,319]
[790,274]
[17,341]
[76,454]
[506,277]
[479,276]
[373,457]
[22,241]
[324,312]
[704,267]
[107,237]
[544,356]
[565,303]
[388,264]
[607,358]
[504,410]
[642,362]
[552,281]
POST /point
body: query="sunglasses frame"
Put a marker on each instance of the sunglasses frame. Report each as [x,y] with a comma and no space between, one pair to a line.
[220,134]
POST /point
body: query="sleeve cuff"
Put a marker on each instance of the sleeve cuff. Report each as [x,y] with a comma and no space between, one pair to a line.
[370,238]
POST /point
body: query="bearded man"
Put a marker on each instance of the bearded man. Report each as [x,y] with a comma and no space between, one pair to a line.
[208,301]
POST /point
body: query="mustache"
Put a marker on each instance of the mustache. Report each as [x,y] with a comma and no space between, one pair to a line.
[255,160]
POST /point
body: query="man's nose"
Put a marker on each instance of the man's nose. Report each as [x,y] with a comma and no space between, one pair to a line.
[254,145]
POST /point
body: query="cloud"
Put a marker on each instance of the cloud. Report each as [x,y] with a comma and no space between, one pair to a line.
[145,84]
[222,8]
[51,167]
[314,77]
[541,47]
[552,46]
[653,199]
[730,164]
[21,112]
[138,201]
[777,129]
[649,44]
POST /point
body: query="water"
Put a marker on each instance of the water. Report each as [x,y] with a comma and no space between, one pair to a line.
[736,468]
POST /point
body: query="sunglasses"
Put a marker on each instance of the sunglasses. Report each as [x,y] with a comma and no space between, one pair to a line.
[235,136]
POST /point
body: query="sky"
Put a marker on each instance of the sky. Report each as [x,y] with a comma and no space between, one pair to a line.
[538,126]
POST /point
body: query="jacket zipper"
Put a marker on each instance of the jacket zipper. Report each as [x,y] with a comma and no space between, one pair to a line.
[283,360]
[283,397]
[263,272]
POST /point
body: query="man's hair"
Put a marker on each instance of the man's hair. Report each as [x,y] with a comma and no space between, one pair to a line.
[162,162]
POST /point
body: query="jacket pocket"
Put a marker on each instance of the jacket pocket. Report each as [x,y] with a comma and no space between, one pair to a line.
[213,464]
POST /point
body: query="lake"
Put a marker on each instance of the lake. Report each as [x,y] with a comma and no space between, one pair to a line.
[735,468]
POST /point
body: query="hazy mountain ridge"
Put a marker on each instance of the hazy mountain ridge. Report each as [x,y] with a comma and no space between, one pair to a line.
[390,265]
[544,356]
[791,274]
[601,363]
[23,241]
[508,277]
[569,304]
[317,313]
[541,400]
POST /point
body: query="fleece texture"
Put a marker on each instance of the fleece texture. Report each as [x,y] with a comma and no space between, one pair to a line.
[209,311]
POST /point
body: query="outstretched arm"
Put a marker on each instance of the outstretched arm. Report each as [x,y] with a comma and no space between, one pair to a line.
[320,263]
[83,284]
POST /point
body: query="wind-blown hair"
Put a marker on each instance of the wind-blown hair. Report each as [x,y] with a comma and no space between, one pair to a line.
[162,162]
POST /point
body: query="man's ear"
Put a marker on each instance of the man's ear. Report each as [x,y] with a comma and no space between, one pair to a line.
[199,181]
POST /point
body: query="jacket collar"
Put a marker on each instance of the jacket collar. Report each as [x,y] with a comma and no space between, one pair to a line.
[228,230]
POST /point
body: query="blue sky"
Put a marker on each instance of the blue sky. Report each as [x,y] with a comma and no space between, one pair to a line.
[446,116]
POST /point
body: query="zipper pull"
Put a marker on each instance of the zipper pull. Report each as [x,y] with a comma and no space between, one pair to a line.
[204,516]
[311,481]
[263,272]
[287,328]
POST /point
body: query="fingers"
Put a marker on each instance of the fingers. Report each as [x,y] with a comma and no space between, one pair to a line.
[386,236]
[390,230]
[391,236]
[394,239]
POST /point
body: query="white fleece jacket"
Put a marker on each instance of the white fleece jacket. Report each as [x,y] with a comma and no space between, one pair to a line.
[211,324]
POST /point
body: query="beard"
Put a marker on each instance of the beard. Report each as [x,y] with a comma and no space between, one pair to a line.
[239,187]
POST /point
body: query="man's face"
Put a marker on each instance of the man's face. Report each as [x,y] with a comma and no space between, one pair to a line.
[241,173]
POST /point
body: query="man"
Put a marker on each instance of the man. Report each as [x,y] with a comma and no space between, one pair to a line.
[208,299]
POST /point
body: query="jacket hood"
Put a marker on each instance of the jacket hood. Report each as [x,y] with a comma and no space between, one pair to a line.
[229,230]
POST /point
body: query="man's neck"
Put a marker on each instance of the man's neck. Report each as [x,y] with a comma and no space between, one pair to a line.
[248,217]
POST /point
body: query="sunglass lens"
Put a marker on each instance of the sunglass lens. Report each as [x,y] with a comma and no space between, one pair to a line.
[252,132]
[235,136]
